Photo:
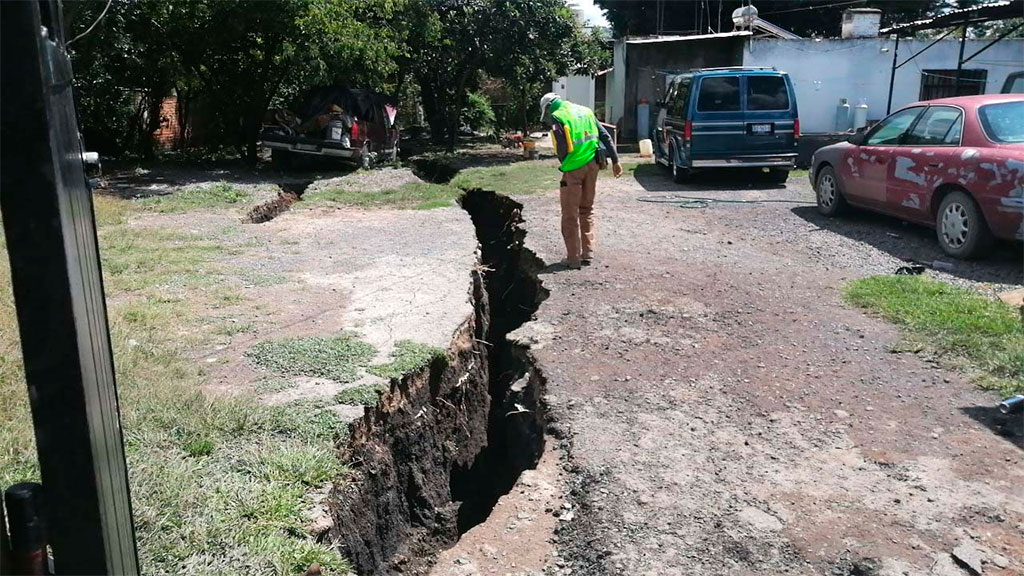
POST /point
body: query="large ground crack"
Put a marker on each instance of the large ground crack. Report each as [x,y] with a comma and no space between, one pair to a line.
[432,459]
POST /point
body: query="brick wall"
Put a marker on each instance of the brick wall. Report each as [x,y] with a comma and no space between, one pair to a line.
[167,136]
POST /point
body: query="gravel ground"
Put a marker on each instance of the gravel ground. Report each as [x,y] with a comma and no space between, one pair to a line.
[726,413]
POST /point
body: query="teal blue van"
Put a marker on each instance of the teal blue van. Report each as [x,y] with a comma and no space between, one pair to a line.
[728,118]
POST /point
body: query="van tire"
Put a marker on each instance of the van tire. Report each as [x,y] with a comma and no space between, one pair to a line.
[680,175]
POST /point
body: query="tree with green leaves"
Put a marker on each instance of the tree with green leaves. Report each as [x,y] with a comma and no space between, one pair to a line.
[455,42]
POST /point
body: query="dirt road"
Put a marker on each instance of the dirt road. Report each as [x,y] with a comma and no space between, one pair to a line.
[726,413]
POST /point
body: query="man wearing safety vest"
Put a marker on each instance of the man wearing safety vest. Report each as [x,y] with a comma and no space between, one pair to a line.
[575,133]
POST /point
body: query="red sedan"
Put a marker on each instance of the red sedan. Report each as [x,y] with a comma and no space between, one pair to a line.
[956,164]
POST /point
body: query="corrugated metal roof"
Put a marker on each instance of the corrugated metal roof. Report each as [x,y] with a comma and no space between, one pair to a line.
[973,15]
[656,39]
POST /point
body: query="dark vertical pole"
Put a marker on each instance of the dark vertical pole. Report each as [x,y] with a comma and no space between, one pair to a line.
[892,75]
[960,60]
[58,293]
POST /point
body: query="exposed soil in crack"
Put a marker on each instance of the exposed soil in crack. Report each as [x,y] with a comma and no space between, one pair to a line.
[290,194]
[432,458]
[435,170]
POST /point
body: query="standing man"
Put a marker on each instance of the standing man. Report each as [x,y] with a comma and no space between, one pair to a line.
[575,132]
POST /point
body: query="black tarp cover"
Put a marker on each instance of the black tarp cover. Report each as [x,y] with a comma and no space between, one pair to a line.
[364,104]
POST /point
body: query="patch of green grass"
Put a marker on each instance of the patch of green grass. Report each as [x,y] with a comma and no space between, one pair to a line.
[254,279]
[405,358]
[274,385]
[982,334]
[359,395]
[337,358]
[196,198]
[519,178]
[233,328]
[219,484]
[412,195]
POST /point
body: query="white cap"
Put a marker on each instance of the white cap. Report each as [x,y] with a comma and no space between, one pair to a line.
[545,102]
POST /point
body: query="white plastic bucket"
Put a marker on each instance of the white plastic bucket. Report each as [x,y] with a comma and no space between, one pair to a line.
[646,148]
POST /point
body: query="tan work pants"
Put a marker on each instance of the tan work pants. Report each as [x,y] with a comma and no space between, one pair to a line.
[578,188]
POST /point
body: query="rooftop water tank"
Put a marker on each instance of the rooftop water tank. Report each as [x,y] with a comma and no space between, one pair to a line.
[861,22]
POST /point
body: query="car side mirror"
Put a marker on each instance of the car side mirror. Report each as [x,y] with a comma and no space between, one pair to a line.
[858,137]
[659,103]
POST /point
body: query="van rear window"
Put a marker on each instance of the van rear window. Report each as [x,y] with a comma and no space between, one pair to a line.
[719,94]
[767,93]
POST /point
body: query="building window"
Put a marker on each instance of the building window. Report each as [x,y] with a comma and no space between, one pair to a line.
[942,83]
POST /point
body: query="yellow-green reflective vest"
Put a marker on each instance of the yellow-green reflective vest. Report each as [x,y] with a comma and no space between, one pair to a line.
[581,134]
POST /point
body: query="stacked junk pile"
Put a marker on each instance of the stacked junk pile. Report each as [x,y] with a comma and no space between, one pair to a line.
[336,122]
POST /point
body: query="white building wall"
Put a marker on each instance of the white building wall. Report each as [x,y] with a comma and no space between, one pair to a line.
[576,89]
[825,71]
[615,85]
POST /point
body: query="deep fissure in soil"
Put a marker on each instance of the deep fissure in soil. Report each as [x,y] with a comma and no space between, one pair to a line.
[433,457]
[291,192]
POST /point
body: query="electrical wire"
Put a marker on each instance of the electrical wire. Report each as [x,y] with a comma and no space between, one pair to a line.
[89,29]
[814,7]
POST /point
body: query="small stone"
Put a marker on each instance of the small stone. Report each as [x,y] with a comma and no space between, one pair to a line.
[461,561]
[968,556]
[869,409]
[841,413]
[1000,561]
[595,378]
[935,436]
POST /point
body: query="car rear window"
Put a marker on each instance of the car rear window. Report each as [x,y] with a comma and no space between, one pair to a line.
[719,94]
[767,93]
[1003,122]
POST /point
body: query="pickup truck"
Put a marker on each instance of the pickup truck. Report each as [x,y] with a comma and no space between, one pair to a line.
[336,122]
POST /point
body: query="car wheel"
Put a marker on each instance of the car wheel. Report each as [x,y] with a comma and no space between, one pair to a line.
[961,227]
[778,175]
[365,159]
[830,199]
[280,159]
[680,175]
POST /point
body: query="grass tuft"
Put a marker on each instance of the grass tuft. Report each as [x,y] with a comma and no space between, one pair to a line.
[218,195]
[984,335]
[360,395]
[337,358]
[411,195]
[407,357]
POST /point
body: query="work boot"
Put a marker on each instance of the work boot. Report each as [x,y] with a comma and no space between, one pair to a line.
[571,264]
[587,258]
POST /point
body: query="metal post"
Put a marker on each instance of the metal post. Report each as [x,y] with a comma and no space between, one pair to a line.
[58,293]
[892,75]
[960,60]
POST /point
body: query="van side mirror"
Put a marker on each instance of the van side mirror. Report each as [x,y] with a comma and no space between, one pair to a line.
[659,103]
[857,139]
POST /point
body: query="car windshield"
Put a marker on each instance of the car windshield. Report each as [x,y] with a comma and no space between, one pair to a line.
[1003,122]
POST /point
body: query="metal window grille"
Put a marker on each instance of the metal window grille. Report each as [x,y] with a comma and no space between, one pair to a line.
[942,83]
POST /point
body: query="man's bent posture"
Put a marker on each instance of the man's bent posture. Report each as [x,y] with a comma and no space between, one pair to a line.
[575,133]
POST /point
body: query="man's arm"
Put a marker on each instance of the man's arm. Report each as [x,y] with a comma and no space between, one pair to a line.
[606,139]
[560,141]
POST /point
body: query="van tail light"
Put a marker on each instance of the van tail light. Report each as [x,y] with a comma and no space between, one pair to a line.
[355,130]
[796,128]
[687,132]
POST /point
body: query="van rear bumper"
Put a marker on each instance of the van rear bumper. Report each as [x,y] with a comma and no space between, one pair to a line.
[772,161]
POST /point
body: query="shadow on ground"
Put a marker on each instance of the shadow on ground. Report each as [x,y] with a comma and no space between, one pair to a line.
[142,180]
[1008,427]
[657,178]
[908,241]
